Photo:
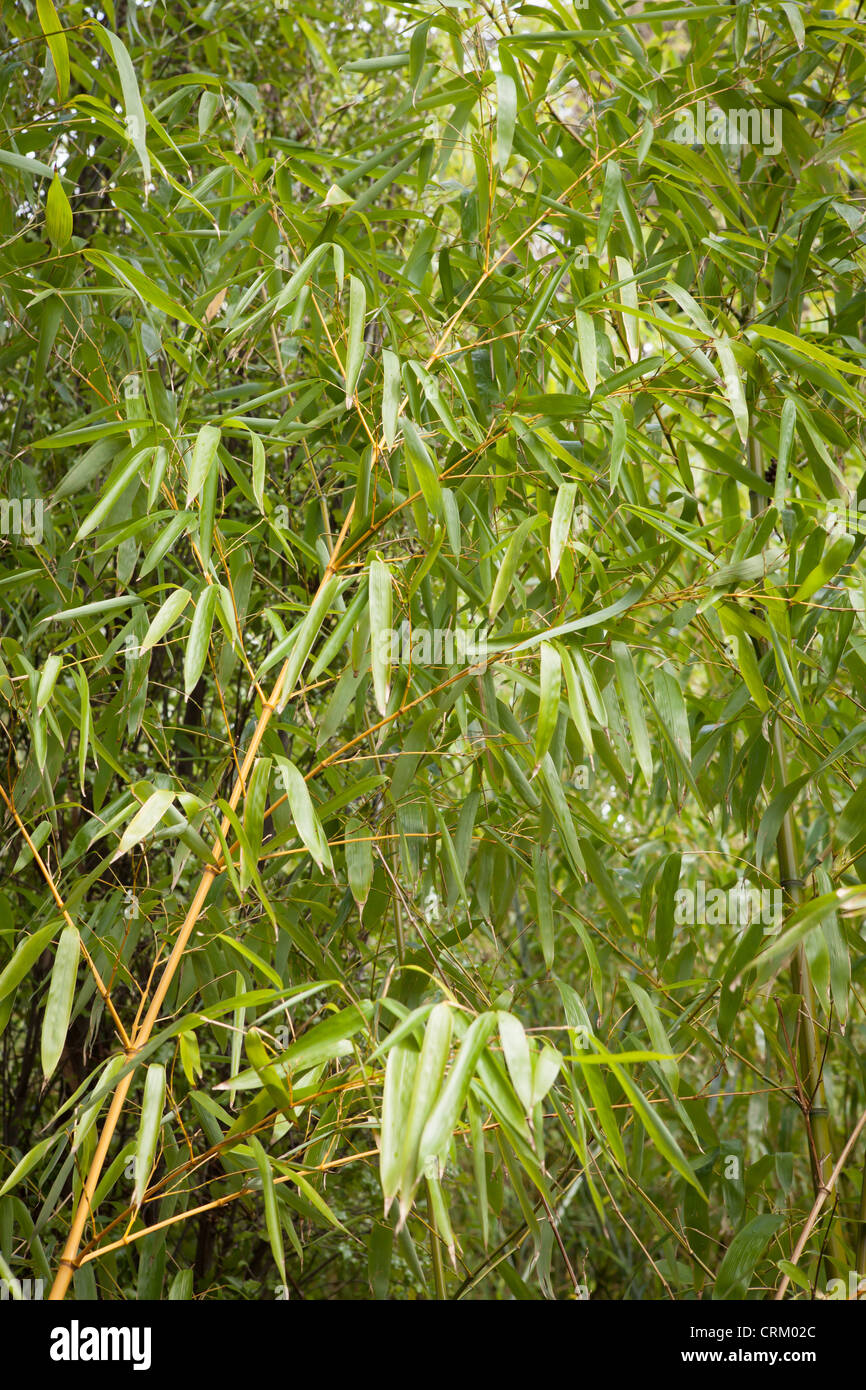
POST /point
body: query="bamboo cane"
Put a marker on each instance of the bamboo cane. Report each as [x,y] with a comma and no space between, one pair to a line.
[820,1199]
[809,1040]
[816,1116]
[140,1035]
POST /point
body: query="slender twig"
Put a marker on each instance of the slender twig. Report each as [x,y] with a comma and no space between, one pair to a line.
[821,1198]
[49,879]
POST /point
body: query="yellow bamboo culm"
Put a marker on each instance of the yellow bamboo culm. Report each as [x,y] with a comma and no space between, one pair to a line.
[140,1035]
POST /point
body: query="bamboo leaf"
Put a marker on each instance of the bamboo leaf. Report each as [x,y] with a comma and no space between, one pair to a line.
[400,1071]
[140,284]
[448,1107]
[272,1215]
[149,1126]
[355,349]
[47,681]
[165,617]
[58,47]
[61,993]
[587,348]
[116,487]
[359,860]
[379,587]
[787,426]
[425,1089]
[423,467]
[24,957]
[58,214]
[742,1255]
[506,115]
[560,524]
[307,823]
[609,199]
[631,698]
[390,395]
[203,460]
[136,123]
[198,641]
[544,901]
[515,1049]
[734,387]
[145,820]
[511,559]
[548,706]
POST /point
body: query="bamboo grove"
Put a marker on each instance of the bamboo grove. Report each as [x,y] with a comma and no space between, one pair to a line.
[433,650]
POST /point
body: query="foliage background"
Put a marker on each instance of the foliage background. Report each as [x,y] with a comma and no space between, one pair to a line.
[371,313]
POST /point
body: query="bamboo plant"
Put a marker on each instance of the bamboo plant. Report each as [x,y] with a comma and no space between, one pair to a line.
[433,651]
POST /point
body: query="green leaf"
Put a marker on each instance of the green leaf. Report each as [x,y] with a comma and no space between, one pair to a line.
[300,645]
[58,215]
[425,1089]
[548,707]
[742,1255]
[447,1109]
[141,285]
[587,348]
[146,819]
[787,426]
[390,395]
[136,123]
[628,295]
[204,456]
[355,348]
[149,1125]
[400,1071]
[164,618]
[165,542]
[379,587]
[115,488]
[515,1049]
[617,443]
[630,692]
[560,524]
[259,466]
[423,467]
[61,993]
[25,956]
[609,198]
[657,1130]
[657,1032]
[513,555]
[58,47]
[506,115]
[198,641]
[26,1164]
[734,387]
[255,802]
[359,860]
[272,1215]
[47,681]
[303,812]
[544,901]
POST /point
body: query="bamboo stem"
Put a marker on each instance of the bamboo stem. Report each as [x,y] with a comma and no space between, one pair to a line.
[436,1252]
[860,1242]
[820,1199]
[808,1036]
[141,1034]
